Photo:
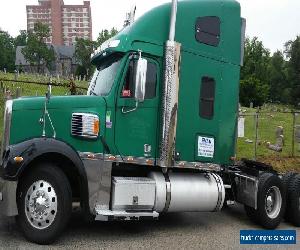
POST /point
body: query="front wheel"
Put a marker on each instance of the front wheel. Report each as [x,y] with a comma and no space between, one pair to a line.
[44,203]
[270,202]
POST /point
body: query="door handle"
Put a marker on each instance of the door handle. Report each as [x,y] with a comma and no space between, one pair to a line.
[124,111]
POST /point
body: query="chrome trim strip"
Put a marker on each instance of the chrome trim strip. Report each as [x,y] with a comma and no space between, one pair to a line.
[149,161]
[6,127]
[219,185]
[168,193]
[198,165]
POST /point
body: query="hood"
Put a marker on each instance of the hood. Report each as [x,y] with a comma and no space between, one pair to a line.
[57,102]
[28,113]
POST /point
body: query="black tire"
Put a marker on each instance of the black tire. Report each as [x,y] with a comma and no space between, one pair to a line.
[293,201]
[268,182]
[49,174]
[286,180]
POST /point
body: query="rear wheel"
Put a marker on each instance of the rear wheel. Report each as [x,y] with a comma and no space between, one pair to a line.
[270,202]
[44,203]
[293,201]
[286,179]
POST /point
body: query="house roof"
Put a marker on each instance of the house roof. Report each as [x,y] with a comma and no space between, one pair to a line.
[61,52]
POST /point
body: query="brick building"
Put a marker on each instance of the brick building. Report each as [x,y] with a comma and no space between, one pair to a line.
[66,22]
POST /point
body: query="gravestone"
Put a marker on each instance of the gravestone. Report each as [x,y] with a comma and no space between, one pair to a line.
[241,127]
[278,146]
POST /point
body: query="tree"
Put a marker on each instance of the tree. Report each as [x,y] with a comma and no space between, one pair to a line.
[83,50]
[36,52]
[292,52]
[253,90]
[255,73]
[7,51]
[279,86]
[21,39]
[256,60]
[104,35]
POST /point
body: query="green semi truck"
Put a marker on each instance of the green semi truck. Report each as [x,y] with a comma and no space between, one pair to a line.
[156,132]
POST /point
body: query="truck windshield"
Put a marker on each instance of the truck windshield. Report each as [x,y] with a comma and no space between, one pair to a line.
[104,76]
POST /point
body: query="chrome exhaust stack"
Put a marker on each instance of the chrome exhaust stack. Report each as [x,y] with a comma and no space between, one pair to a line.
[170,94]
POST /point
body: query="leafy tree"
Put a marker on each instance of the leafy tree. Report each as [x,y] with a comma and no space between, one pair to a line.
[36,52]
[255,73]
[83,50]
[253,90]
[104,35]
[279,86]
[21,39]
[256,60]
[292,51]
[7,51]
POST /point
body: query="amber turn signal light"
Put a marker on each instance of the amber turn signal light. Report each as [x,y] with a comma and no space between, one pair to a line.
[18,159]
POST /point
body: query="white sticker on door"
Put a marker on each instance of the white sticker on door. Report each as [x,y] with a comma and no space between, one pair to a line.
[206,147]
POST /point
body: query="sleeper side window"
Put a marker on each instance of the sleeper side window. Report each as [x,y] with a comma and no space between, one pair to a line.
[207,97]
[151,81]
[207,30]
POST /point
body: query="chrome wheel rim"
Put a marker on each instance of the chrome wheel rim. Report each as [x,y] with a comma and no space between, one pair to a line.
[40,204]
[273,202]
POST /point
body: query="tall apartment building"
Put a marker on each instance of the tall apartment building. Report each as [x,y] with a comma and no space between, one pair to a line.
[66,22]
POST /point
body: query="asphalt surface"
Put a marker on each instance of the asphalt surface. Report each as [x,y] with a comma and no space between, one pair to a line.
[172,231]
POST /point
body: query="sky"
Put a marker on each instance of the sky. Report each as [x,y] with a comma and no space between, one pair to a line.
[272,21]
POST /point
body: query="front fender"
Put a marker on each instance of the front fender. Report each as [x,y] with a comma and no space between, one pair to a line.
[30,150]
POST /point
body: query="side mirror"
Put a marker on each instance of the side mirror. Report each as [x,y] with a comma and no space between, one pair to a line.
[140,79]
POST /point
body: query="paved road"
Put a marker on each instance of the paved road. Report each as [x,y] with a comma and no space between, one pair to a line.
[173,231]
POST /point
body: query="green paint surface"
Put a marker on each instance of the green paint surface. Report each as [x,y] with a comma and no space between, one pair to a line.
[28,111]
[128,133]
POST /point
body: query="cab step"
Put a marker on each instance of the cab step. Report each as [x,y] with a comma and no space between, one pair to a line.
[106,215]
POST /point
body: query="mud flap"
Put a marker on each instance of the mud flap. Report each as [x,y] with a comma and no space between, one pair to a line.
[8,201]
[247,187]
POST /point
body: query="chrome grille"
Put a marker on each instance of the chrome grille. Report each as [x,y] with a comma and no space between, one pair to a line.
[77,124]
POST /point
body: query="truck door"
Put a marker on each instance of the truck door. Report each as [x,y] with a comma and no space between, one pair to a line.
[136,129]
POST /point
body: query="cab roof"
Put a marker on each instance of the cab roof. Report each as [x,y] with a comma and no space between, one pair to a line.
[151,31]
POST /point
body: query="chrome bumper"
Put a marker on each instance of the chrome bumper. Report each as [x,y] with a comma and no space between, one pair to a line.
[8,201]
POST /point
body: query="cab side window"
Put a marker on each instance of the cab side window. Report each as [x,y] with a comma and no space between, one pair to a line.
[207,97]
[207,30]
[151,80]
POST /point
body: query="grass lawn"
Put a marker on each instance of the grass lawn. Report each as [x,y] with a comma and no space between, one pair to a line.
[29,89]
[267,123]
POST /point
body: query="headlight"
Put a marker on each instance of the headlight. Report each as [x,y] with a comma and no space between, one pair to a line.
[7,123]
[85,125]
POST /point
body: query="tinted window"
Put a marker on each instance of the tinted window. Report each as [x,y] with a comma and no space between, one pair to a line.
[207,97]
[208,30]
[104,76]
[151,78]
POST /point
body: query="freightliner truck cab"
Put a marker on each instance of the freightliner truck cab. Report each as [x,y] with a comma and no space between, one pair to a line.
[155,133]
